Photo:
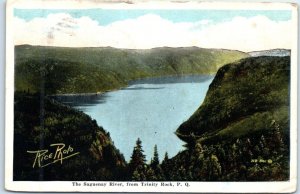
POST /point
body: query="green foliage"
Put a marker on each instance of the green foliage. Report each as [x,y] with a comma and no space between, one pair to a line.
[40,121]
[155,160]
[241,131]
[166,167]
[155,167]
[59,70]
[243,98]
[137,164]
[242,159]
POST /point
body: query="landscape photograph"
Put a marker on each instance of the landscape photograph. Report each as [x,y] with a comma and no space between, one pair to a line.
[138,94]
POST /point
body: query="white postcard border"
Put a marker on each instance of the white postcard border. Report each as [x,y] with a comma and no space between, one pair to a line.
[232,187]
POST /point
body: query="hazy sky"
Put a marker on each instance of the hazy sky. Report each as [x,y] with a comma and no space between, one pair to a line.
[142,29]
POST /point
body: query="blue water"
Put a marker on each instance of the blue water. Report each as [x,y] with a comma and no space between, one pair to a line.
[149,109]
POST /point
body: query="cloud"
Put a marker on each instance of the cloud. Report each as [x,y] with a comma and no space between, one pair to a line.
[256,33]
[149,31]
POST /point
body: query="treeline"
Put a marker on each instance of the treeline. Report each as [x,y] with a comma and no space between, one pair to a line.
[244,97]
[241,131]
[40,121]
[262,157]
[89,70]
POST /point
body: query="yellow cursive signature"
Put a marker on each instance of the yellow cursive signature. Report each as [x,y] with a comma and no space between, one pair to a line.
[44,158]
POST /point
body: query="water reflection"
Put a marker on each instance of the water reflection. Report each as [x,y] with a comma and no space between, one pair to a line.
[81,99]
[143,88]
[150,109]
[93,98]
[173,79]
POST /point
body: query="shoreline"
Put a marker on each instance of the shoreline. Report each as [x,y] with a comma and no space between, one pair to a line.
[130,82]
[76,94]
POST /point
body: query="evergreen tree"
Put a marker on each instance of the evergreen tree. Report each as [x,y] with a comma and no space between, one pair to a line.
[137,163]
[154,165]
[197,158]
[182,174]
[136,176]
[233,155]
[264,147]
[215,168]
[277,139]
[155,160]
[166,158]
[151,176]
[166,167]
[139,174]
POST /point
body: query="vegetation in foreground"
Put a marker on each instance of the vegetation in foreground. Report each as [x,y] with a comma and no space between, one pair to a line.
[40,122]
[243,123]
[239,133]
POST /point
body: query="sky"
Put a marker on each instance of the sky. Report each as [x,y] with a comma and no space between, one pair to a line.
[244,30]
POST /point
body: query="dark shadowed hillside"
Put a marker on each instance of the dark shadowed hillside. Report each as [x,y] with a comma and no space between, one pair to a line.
[244,97]
[40,122]
[241,131]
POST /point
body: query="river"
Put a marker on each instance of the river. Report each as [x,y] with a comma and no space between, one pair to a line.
[150,109]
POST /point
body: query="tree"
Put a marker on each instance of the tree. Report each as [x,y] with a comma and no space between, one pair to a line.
[181,174]
[277,140]
[197,158]
[155,161]
[151,176]
[215,168]
[139,174]
[264,147]
[154,165]
[137,163]
[254,172]
[136,176]
[166,167]
[166,158]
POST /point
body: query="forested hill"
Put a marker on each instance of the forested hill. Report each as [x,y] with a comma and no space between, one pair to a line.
[40,122]
[82,70]
[244,97]
[241,130]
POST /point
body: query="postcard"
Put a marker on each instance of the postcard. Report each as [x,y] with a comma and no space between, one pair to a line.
[129,96]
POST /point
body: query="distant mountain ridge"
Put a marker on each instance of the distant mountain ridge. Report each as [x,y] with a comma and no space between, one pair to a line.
[272,52]
[239,133]
[83,70]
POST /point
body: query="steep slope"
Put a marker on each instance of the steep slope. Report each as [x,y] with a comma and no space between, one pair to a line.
[40,122]
[244,97]
[81,70]
[241,131]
